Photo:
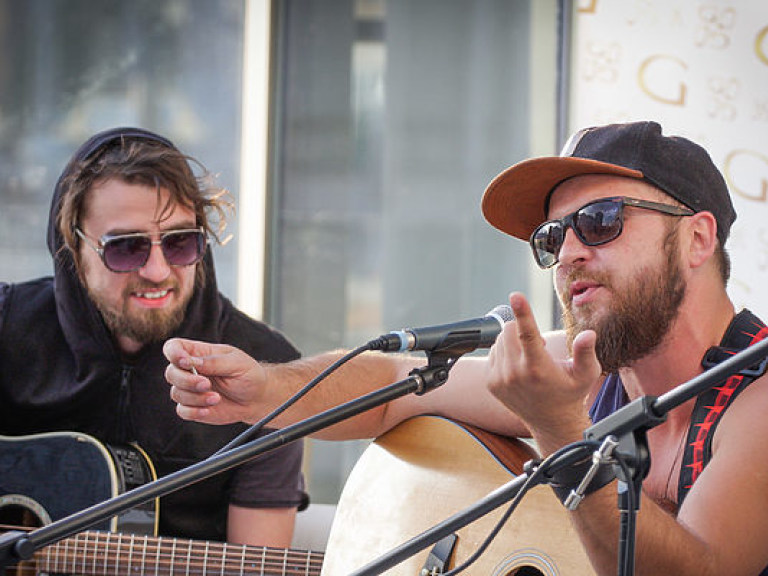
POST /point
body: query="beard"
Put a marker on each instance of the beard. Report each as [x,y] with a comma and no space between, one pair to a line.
[640,314]
[143,326]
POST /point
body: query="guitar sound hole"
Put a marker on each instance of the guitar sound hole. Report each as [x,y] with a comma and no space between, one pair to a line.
[16,516]
[18,511]
[526,571]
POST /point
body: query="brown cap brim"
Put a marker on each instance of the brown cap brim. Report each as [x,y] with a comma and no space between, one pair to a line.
[515,201]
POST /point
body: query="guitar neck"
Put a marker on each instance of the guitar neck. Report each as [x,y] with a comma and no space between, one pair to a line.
[118,554]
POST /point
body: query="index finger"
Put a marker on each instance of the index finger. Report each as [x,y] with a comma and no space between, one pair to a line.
[528,331]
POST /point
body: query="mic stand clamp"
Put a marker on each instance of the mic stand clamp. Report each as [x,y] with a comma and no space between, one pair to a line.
[600,457]
[435,373]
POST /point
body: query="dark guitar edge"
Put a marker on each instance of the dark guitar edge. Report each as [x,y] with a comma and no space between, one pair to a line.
[509,452]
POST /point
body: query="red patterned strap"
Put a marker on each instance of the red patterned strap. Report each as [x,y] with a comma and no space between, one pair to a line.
[745,329]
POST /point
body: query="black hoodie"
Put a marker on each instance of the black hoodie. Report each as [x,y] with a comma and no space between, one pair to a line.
[61,370]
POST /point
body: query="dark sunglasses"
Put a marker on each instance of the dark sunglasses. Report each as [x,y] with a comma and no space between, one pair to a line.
[129,252]
[594,224]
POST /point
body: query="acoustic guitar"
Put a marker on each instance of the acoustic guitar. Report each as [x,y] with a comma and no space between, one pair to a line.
[429,468]
[46,477]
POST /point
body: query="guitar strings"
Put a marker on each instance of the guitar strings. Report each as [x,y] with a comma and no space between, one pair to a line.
[80,554]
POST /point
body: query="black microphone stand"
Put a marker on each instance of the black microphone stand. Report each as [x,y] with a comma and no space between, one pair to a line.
[629,425]
[17,545]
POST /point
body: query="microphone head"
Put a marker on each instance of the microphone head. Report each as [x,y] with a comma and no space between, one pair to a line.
[503,312]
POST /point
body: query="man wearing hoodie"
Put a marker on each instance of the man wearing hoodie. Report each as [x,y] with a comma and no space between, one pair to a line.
[129,227]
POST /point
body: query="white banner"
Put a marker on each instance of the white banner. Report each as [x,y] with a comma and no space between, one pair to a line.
[699,68]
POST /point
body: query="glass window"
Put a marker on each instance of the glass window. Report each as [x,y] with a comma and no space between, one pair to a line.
[69,69]
[391,118]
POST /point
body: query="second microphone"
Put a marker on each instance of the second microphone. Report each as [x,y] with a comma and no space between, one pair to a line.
[454,338]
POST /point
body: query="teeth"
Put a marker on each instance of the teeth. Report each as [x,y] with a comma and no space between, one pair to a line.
[152,295]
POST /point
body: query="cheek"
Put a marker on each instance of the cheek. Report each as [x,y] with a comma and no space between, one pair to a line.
[186,279]
[559,281]
[99,281]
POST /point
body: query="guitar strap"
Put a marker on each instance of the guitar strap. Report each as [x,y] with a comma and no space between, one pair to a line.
[745,329]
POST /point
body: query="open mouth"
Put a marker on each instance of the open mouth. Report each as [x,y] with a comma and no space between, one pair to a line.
[153,295]
[154,298]
[580,291]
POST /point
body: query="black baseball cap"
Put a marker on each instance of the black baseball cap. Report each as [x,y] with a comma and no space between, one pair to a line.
[516,201]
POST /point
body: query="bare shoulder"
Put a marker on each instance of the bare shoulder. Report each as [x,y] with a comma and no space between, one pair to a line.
[747,414]
[741,437]
[729,496]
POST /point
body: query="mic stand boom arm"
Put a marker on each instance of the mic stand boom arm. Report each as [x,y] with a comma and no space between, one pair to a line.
[16,545]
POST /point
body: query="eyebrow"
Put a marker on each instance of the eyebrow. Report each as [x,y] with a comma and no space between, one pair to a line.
[177,226]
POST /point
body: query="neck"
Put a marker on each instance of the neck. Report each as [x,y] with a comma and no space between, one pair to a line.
[128,346]
[699,325]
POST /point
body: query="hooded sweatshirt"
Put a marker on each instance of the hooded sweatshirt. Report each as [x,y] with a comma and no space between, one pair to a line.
[61,370]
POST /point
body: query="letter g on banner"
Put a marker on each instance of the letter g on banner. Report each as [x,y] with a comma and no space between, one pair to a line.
[760,45]
[752,167]
[656,70]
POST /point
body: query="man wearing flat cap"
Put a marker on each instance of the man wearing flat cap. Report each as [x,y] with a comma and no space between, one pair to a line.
[634,225]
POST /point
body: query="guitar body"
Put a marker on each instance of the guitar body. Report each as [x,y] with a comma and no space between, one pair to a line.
[429,468]
[45,477]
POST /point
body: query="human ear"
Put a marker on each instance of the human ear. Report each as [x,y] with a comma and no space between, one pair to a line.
[702,236]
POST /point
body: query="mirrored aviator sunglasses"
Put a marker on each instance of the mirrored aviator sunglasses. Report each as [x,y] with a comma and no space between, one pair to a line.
[596,223]
[129,252]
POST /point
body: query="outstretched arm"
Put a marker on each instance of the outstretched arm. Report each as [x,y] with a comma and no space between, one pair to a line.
[230,386]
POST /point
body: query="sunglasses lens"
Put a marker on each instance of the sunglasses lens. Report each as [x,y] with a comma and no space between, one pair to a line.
[593,224]
[546,242]
[598,223]
[124,254]
[131,252]
[183,248]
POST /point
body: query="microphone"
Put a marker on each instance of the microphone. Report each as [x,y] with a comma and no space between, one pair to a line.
[457,337]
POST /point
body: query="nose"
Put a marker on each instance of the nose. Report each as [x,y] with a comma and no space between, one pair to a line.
[572,250]
[157,268]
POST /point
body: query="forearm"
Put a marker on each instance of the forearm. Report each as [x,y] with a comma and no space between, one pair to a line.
[261,526]
[662,545]
[463,397]
[220,384]
[466,398]
[359,376]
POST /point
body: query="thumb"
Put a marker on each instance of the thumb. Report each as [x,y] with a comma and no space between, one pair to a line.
[186,353]
[586,366]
